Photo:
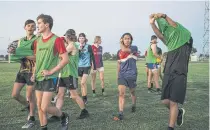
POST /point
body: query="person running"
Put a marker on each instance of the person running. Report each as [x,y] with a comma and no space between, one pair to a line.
[47,49]
[152,66]
[69,75]
[98,52]
[25,72]
[127,72]
[86,59]
[179,42]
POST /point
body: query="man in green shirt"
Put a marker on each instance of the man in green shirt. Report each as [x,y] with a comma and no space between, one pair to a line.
[25,72]
[48,48]
[179,42]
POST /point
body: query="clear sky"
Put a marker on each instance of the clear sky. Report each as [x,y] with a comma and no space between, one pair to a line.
[108,19]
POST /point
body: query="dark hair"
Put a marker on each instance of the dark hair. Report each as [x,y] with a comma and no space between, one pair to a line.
[153,37]
[83,35]
[46,19]
[125,35]
[29,21]
[71,35]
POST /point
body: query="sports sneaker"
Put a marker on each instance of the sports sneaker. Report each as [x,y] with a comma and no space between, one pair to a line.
[29,124]
[64,122]
[180,117]
[150,90]
[85,101]
[104,93]
[94,95]
[84,114]
[158,91]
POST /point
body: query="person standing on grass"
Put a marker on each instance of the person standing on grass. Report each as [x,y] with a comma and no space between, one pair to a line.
[98,52]
[152,66]
[47,49]
[159,61]
[126,72]
[25,72]
[179,42]
[86,59]
[69,75]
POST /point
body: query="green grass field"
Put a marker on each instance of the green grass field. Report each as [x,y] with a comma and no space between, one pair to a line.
[150,114]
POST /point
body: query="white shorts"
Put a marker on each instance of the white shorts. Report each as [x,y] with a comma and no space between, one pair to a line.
[101,69]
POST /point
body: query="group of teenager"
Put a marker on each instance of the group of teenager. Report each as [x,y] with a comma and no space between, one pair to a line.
[51,63]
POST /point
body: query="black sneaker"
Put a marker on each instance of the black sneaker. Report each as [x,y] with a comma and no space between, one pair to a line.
[170,128]
[158,91]
[133,109]
[150,90]
[180,117]
[85,101]
[84,114]
[64,122]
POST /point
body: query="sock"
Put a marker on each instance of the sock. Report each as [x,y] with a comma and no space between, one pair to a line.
[84,97]
[102,90]
[179,112]
[62,116]
[151,85]
[170,128]
[94,91]
[121,113]
[32,118]
[149,88]
[44,127]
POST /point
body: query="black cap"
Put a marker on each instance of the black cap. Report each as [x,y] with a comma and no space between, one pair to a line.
[70,32]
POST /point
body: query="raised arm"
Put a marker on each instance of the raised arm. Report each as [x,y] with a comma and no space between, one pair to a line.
[168,19]
[155,29]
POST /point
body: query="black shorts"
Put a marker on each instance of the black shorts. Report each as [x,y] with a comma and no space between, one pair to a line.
[128,82]
[24,78]
[46,85]
[83,70]
[69,82]
[175,73]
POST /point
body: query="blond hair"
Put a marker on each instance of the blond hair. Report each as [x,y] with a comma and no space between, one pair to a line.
[97,38]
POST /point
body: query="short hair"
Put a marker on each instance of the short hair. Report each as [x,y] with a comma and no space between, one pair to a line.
[97,38]
[83,35]
[46,19]
[29,21]
[153,37]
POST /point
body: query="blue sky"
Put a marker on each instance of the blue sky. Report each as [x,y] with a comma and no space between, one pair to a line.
[108,19]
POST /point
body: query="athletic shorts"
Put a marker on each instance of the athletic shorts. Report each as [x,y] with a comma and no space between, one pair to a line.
[83,70]
[152,66]
[128,82]
[48,85]
[24,78]
[175,73]
[69,82]
[101,69]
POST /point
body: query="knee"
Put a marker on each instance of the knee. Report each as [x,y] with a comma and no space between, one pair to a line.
[173,104]
[82,84]
[60,95]
[102,79]
[121,94]
[39,106]
[44,109]
[132,93]
[165,102]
